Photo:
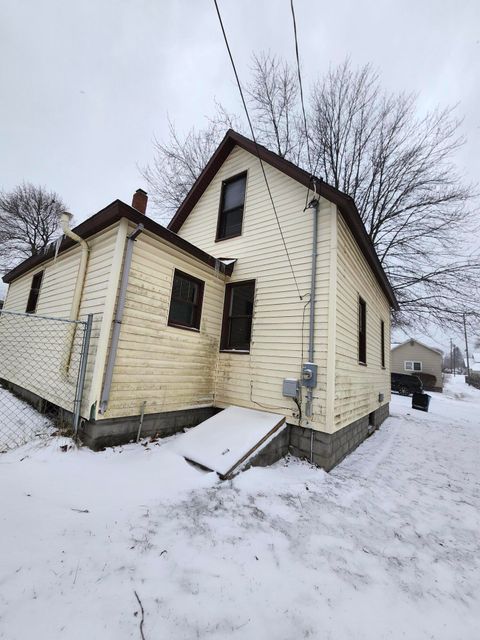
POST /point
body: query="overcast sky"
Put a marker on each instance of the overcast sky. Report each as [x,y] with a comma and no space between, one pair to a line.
[86,85]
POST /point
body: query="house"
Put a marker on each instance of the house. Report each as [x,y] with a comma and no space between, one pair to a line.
[215,309]
[475,362]
[416,358]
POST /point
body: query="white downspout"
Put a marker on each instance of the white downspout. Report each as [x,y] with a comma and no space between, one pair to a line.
[82,269]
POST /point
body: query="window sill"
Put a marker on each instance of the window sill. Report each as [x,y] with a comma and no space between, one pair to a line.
[180,326]
[362,364]
[236,235]
[239,351]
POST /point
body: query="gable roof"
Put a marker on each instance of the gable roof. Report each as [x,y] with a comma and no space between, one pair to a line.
[344,202]
[111,214]
[439,351]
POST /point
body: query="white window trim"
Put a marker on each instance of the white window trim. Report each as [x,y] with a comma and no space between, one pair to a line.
[412,364]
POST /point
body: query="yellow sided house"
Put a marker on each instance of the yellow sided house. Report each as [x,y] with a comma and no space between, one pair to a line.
[264,292]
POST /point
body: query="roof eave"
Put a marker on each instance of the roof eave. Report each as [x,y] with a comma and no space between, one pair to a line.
[106,217]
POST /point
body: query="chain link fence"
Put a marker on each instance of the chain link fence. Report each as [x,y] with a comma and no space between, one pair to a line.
[42,375]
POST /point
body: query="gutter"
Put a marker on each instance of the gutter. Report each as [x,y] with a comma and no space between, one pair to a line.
[117,322]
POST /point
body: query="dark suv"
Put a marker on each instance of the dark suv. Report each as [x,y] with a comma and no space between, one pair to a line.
[405,384]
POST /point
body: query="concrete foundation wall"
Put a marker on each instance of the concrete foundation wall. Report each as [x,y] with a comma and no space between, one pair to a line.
[107,433]
[325,450]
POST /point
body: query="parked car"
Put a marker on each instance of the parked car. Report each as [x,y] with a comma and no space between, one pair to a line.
[405,384]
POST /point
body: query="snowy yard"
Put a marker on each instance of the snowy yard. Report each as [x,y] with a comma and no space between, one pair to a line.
[385,546]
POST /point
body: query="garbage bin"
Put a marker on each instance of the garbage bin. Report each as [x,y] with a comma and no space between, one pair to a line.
[420,401]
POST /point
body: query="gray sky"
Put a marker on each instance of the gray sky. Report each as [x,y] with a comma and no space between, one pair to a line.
[86,85]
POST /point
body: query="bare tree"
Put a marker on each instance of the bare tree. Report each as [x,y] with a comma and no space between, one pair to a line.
[273,97]
[397,165]
[28,222]
[178,162]
[399,169]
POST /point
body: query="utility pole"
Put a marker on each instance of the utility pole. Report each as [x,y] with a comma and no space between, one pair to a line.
[454,360]
[451,357]
[466,343]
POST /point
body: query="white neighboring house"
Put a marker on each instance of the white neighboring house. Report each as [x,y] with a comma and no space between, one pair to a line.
[475,362]
[414,357]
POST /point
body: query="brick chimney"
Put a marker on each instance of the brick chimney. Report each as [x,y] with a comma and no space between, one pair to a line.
[139,200]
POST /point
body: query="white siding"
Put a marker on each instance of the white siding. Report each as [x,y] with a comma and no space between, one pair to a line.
[255,379]
[357,386]
[167,367]
[43,371]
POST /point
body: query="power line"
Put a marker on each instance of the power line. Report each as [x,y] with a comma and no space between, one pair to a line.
[256,145]
[297,55]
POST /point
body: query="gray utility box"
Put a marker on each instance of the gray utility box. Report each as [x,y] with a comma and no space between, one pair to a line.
[309,374]
[290,388]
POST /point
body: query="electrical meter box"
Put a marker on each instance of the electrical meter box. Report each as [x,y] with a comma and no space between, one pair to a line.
[290,388]
[309,374]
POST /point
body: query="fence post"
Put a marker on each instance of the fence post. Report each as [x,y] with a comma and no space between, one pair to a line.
[82,371]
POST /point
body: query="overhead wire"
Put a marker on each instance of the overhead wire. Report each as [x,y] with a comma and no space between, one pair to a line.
[257,149]
[300,83]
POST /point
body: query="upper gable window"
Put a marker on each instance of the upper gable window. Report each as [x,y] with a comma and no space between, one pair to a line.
[232,202]
[34,292]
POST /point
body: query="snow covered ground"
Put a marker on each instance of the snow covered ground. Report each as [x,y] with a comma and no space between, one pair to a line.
[385,546]
[20,422]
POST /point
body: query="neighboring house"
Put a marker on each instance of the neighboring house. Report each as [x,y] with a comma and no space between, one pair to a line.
[475,361]
[416,358]
[212,313]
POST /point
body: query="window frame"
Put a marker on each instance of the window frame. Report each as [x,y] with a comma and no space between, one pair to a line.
[224,348]
[362,335]
[225,183]
[382,343]
[198,305]
[413,363]
[34,294]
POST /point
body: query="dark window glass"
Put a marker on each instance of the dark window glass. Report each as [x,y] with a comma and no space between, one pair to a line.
[232,202]
[34,292]
[382,341]
[362,331]
[186,302]
[237,316]
[417,366]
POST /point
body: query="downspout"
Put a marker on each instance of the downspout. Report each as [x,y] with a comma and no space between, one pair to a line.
[117,322]
[309,369]
[65,218]
[82,269]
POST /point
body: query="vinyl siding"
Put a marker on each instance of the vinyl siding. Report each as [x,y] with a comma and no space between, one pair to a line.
[45,343]
[255,380]
[169,368]
[431,360]
[357,386]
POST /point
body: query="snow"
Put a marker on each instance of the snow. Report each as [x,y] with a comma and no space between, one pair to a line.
[20,422]
[223,440]
[386,546]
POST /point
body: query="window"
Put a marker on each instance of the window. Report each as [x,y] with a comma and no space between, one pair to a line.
[186,301]
[232,202]
[237,316]
[382,343]
[411,365]
[362,331]
[34,292]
